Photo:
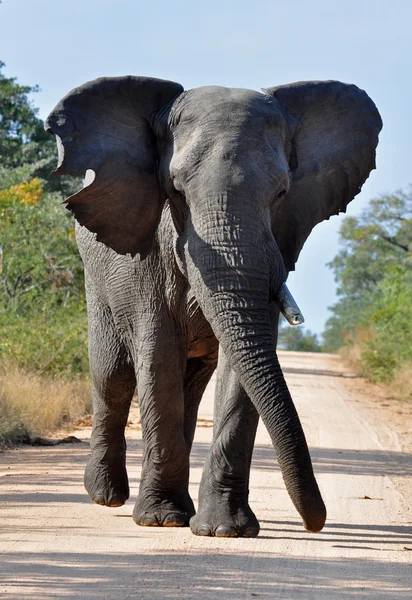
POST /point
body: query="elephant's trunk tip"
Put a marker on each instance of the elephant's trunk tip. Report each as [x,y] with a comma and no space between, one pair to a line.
[316,523]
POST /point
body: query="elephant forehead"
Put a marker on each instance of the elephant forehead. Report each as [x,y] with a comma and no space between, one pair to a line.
[226,106]
[216,93]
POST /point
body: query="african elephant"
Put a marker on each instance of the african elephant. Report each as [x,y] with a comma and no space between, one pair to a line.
[200,204]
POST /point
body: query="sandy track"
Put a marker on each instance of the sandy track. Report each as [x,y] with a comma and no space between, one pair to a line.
[56,544]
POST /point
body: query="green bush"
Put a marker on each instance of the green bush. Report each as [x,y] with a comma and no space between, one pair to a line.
[42,301]
[53,342]
[390,318]
[372,319]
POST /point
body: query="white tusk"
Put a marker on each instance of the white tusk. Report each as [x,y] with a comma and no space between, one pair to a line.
[60,151]
[89,177]
[288,307]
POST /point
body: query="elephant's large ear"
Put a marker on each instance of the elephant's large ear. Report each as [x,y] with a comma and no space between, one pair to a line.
[333,152]
[104,125]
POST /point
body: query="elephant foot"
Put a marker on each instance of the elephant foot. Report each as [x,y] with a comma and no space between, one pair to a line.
[223,520]
[106,482]
[157,511]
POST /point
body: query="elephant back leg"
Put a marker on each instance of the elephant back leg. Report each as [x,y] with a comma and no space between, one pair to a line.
[114,383]
[198,374]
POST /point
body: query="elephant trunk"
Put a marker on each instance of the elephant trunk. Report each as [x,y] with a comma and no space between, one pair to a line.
[231,280]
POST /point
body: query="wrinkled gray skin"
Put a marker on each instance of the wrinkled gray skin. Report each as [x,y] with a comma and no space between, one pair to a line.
[213,192]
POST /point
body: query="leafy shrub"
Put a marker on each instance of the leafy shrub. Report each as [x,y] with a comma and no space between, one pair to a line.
[41,267]
[373,318]
[53,342]
[42,301]
[390,318]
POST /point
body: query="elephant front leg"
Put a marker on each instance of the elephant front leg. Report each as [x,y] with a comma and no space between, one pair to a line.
[114,382]
[163,496]
[224,510]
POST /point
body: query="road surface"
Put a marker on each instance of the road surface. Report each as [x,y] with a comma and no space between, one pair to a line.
[56,544]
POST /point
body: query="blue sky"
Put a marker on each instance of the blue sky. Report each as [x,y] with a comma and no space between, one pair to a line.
[248,44]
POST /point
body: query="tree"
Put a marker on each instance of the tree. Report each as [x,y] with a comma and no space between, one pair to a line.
[41,268]
[42,301]
[22,137]
[374,244]
[298,339]
[23,141]
[381,236]
[389,322]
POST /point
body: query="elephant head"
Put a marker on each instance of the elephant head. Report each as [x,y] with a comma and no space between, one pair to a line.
[247,176]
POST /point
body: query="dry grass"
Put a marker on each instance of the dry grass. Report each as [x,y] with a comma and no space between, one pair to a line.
[401,386]
[37,405]
[352,352]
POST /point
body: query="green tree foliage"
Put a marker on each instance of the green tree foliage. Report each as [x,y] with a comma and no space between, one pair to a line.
[40,262]
[42,304]
[380,237]
[374,275]
[23,141]
[389,321]
[22,137]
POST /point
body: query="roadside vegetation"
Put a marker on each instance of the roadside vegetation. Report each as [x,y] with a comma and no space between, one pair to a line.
[43,341]
[297,338]
[33,404]
[372,321]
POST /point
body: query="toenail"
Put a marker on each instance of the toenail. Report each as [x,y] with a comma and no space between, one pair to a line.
[202,530]
[99,500]
[226,531]
[173,520]
[250,532]
[148,522]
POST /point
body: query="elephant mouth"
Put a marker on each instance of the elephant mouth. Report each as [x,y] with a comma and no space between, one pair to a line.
[205,348]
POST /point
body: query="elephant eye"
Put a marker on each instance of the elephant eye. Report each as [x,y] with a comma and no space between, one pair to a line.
[282,193]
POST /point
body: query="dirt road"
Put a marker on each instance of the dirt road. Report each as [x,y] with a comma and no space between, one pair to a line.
[56,544]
